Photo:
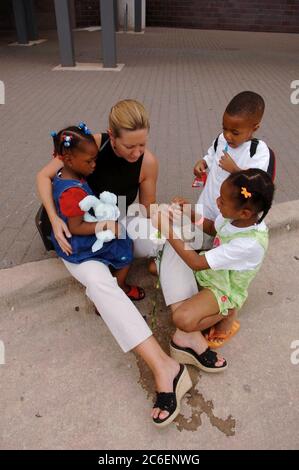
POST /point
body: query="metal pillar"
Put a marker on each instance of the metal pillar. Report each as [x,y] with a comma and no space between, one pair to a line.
[20,20]
[108,34]
[65,35]
[31,20]
[138,16]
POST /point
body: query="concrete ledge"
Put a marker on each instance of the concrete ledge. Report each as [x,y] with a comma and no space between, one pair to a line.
[32,283]
[29,44]
[90,29]
[283,217]
[130,32]
[88,67]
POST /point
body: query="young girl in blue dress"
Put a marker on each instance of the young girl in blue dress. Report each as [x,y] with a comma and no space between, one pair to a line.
[77,149]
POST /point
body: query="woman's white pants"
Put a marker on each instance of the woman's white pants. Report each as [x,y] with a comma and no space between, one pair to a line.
[118,312]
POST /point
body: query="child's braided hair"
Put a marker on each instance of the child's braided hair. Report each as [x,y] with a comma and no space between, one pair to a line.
[71,138]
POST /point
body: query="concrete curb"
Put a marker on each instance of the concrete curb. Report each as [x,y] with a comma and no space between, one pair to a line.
[33,283]
[283,217]
[39,281]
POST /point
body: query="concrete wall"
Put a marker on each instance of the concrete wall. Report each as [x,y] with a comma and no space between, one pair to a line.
[239,15]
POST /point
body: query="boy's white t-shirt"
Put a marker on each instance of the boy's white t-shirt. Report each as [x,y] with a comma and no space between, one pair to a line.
[216,176]
[240,254]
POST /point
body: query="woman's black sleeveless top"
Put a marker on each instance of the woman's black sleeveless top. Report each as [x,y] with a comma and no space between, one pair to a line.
[115,174]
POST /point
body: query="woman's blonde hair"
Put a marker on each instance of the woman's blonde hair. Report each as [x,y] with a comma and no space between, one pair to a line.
[129,115]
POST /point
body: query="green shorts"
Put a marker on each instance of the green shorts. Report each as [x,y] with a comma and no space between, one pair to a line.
[225,297]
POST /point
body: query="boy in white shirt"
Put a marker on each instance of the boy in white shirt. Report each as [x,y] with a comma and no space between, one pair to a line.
[234,149]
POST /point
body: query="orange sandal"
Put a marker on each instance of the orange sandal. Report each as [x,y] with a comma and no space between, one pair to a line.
[135,293]
[216,340]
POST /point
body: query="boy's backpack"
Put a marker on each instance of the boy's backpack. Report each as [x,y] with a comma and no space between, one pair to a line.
[271,170]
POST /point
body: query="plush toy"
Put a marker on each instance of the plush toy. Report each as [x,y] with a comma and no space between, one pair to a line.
[104,208]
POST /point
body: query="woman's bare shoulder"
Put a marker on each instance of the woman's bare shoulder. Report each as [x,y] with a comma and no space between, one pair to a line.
[149,168]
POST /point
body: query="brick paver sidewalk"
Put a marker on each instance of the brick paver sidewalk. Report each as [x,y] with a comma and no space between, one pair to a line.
[184,77]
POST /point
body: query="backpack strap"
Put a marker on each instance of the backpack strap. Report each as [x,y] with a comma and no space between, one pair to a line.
[271,170]
[216,143]
[253,147]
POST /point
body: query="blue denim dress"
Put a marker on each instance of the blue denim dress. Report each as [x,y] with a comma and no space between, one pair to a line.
[117,253]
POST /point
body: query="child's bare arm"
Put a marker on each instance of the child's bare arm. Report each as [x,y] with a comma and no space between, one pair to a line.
[77,226]
[209,227]
[163,221]
[200,167]
[192,259]
[205,163]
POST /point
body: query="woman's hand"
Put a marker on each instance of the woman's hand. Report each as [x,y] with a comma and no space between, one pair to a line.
[162,220]
[183,211]
[200,168]
[61,231]
[180,201]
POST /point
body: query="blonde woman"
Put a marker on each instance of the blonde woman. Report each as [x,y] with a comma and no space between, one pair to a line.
[127,168]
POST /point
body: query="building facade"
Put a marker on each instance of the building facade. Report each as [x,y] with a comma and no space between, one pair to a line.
[238,15]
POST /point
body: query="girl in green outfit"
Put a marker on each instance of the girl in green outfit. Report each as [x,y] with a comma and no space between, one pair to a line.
[225,272]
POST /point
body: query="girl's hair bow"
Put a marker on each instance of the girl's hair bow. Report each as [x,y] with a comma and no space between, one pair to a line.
[67,140]
[245,193]
[84,128]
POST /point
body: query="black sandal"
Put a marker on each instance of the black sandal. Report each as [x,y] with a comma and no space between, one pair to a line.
[171,401]
[205,361]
